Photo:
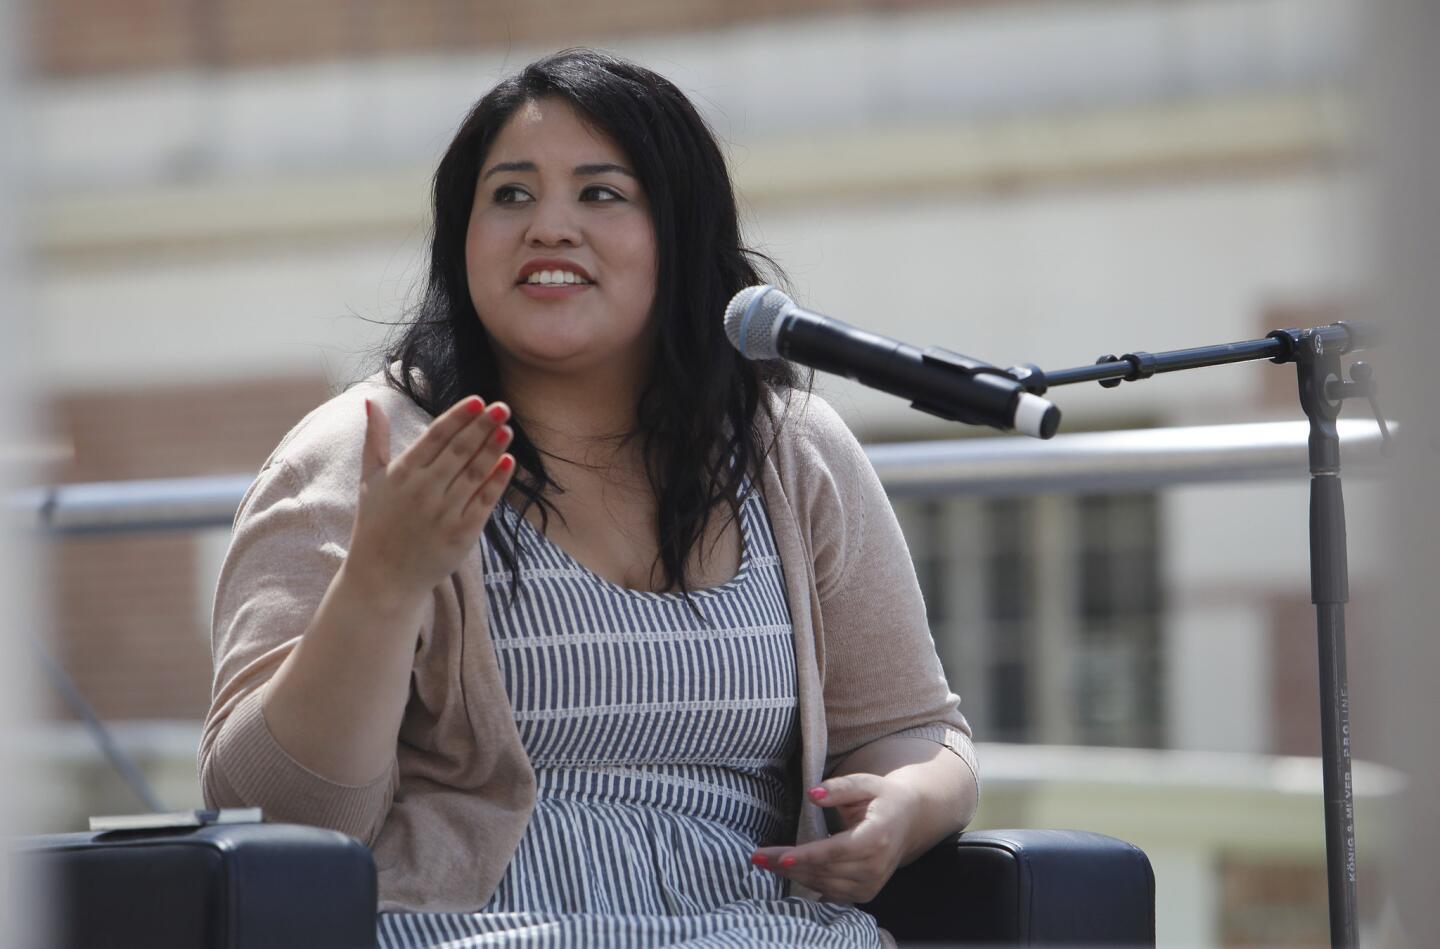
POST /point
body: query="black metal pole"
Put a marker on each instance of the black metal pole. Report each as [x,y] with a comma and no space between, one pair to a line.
[1318,368]
[1323,389]
[118,759]
[1340,869]
[1279,347]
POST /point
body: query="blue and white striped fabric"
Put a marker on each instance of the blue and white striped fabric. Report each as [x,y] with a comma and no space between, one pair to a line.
[662,743]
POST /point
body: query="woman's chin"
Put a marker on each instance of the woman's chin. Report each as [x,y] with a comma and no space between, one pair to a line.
[568,346]
[560,356]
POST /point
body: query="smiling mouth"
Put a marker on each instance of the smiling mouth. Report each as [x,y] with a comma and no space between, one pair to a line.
[555,278]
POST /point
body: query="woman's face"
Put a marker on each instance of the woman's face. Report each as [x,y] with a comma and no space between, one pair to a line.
[560,252]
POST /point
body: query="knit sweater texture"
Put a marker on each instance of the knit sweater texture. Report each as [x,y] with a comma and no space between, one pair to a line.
[445,818]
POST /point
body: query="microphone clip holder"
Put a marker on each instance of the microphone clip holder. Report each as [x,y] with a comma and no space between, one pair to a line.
[965,366]
[1323,386]
[936,355]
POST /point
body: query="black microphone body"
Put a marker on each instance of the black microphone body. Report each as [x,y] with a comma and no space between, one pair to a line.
[928,378]
[764,323]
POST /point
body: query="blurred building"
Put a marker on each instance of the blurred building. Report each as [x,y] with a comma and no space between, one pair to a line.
[229,216]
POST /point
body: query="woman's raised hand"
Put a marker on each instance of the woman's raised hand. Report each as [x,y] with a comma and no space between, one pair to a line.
[422,513]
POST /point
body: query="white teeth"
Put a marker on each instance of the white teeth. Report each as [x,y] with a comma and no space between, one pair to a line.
[555,277]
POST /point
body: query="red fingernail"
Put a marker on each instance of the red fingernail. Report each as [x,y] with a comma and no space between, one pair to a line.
[367,408]
[787,861]
[474,406]
[760,860]
[503,435]
[498,413]
[818,794]
[507,463]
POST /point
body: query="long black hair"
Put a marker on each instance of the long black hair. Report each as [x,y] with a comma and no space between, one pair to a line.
[698,408]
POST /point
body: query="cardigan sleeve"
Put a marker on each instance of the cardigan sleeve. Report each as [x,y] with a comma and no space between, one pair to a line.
[290,536]
[882,676]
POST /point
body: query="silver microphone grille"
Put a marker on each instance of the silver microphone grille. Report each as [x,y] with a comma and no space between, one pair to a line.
[750,320]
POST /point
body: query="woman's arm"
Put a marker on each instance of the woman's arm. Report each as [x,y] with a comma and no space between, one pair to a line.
[304,720]
[897,750]
[336,702]
[943,789]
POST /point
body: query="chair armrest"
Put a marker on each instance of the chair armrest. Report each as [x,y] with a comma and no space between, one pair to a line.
[233,886]
[1023,886]
[248,886]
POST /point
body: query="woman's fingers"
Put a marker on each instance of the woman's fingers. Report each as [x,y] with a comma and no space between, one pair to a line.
[473,473]
[410,526]
[483,501]
[836,883]
[842,889]
[854,864]
[856,880]
[463,445]
[431,445]
[840,849]
[850,796]
[847,789]
[856,869]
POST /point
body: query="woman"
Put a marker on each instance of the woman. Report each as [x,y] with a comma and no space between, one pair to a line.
[583,623]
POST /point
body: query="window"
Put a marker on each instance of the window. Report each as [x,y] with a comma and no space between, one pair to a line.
[1046,613]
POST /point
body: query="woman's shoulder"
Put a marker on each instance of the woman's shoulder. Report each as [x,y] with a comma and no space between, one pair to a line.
[331,434]
[808,430]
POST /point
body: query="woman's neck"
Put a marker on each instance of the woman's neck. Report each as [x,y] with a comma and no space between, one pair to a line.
[588,422]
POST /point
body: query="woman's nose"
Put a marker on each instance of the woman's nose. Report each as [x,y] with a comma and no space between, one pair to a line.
[553,223]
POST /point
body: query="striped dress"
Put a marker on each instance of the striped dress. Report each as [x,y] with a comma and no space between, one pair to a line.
[663,744]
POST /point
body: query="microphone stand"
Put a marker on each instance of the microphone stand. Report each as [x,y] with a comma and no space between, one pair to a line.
[1323,388]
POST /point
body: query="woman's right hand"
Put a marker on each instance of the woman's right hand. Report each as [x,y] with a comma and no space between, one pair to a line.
[421,514]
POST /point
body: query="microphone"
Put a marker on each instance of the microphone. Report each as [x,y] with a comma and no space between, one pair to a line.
[762,322]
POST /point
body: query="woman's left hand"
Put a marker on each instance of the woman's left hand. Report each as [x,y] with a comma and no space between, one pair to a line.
[853,865]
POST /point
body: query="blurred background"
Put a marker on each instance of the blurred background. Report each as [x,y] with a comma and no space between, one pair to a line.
[224,213]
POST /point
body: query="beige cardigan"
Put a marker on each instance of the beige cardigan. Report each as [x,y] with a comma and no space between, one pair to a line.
[445,819]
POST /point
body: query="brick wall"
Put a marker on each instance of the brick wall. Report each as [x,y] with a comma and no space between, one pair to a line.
[86,37]
[1273,903]
[128,610]
[127,629]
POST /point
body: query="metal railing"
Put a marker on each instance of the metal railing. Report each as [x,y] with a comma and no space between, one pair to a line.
[1100,462]
[1106,461]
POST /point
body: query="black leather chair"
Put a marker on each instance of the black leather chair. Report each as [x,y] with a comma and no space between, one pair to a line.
[1025,887]
[227,886]
[278,886]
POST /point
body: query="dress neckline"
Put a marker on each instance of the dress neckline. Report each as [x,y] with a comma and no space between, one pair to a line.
[741,573]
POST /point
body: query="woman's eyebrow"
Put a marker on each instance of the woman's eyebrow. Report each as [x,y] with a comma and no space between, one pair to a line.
[580,171]
[508,166]
[600,168]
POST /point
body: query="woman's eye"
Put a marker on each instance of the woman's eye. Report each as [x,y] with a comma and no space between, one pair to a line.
[600,193]
[510,194]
